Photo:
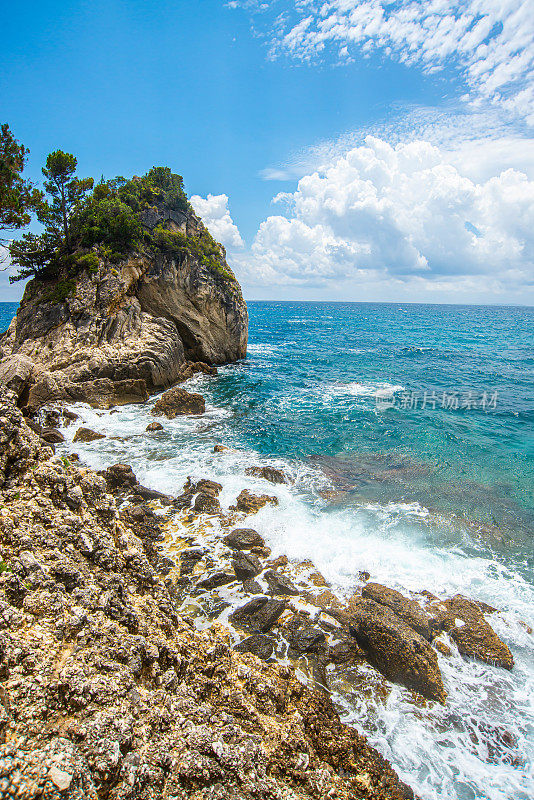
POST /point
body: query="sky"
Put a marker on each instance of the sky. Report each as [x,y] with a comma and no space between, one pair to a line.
[340,150]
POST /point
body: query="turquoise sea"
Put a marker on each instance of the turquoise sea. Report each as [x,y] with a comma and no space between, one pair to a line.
[409,431]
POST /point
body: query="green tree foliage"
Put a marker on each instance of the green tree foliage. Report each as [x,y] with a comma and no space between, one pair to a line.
[66,194]
[18,198]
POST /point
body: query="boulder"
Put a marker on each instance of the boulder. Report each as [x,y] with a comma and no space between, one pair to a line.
[218,578]
[259,614]
[475,637]
[52,435]
[104,392]
[250,503]
[120,476]
[154,426]
[246,566]
[408,610]
[87,435]
[302,636]
[258,644]
[280,584]
[271,474]
[396,650]
[177,402]
[244,539]
[203,485]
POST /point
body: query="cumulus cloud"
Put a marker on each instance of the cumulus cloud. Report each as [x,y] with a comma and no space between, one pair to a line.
[398,214]
[491,42]
[215,214]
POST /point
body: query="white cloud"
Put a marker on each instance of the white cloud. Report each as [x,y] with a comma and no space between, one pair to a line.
[401,215]
[490,42]
[214,212]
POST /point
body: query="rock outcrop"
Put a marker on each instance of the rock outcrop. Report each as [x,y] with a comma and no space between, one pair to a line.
[117,333]
[107,689]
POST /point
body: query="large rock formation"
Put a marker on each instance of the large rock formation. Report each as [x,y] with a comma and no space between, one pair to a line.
[107,690]
[116,333]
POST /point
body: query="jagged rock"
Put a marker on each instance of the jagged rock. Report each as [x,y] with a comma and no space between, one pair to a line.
[219,578]
[207,504]
[189,558]
[177,402]
[246,566]
[408,610]
[87,435]
[394,648]
[113,691]
[52,435]
[475,637]
[259,614]
[252,587]
[271,474]
[120,476]
[280,584]
[203,485]
[258,644]
[345,651]
[100,392]
[302,636]
[250,503]
[244,539]
[154,426]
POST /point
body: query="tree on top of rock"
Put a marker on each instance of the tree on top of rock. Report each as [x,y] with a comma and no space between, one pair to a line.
[18,197]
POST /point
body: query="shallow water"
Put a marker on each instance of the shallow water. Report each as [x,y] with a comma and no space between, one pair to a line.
[434,498]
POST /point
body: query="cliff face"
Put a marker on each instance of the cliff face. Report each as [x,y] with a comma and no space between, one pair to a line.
[116,333]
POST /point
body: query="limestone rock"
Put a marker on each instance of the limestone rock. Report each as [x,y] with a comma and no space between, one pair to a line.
[271,474]
[475,637]
[176,401]
[394,648]
[87,435]
[408,610]
[244,539]
[250,503]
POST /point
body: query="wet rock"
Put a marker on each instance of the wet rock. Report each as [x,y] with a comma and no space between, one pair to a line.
[259,614]
[396,650]
[69,416]
[280,584]
[271,474]
[302,636]
[408,610]
[177,402]
[475,637]
[244,539]
[246,565]
[52,435]
[250,503]
[207,504]
[203,485]
[281,561]
[364,575]
[345,652]
[258,644]
[252,587]
[220,448]
[154,426]
[189,558]
[146,493]
[120,476]
[215,579]
[87,435]
[442,648]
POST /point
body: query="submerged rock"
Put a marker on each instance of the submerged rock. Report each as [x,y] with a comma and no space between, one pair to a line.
[271,474]
[177,402]
[396,650]
[475,637]
[87,435]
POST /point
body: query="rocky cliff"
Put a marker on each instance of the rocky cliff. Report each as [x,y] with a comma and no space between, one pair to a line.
[116,333]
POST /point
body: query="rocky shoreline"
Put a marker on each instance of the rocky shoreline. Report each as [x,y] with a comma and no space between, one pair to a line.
[152,647]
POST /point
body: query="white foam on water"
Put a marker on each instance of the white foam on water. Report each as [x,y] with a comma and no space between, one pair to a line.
[449,751]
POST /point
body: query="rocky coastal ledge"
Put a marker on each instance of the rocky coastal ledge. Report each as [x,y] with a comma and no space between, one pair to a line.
[108,691]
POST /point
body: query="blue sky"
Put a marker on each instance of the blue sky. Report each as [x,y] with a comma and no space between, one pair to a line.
[250,101]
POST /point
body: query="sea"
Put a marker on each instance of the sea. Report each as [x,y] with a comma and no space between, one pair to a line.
[408,431]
